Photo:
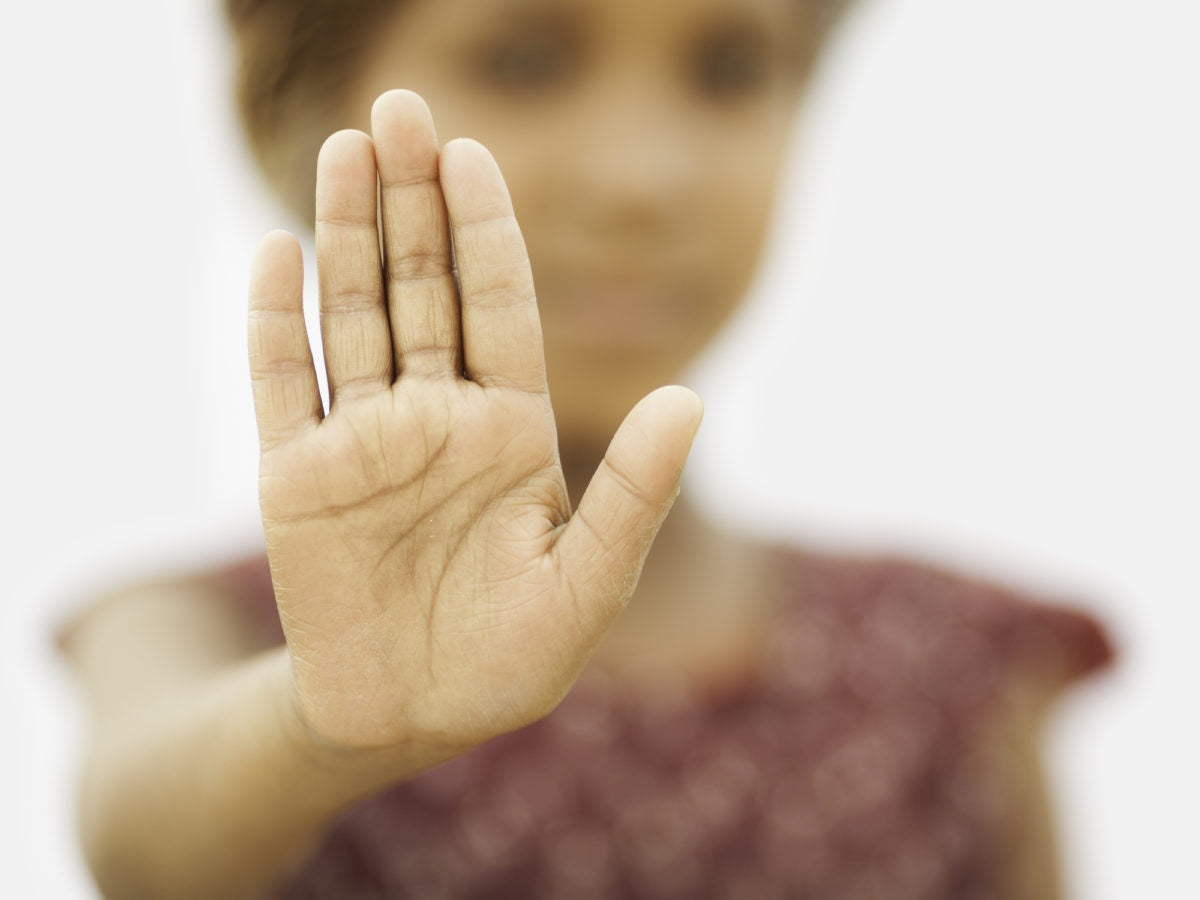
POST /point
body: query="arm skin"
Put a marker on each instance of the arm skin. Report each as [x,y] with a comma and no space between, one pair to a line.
[197,754]
[422,546]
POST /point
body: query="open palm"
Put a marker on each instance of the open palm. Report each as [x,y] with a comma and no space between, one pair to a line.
[431,577]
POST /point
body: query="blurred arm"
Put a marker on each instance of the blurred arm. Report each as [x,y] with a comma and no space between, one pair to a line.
[199,781]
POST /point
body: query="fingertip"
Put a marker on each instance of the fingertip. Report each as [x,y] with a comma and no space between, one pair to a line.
[678,404]
[353,136]
[279,240]
[403,114]
[474,186]
[465,155]
[276,269]
[399,99]
[343,142]
[466,147]
[682,397]
[465,142]
[278,247]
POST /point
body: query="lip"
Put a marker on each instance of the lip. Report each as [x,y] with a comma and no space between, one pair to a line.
[622,311]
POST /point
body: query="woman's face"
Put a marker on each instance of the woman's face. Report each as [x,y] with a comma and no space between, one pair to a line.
[642,143]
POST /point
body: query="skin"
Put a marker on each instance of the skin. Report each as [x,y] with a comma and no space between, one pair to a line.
[421,533]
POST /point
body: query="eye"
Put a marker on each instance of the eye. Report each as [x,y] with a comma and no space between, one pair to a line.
[732,64]
[528,62]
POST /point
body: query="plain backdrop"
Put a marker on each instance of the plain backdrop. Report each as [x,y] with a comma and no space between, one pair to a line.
[975,341]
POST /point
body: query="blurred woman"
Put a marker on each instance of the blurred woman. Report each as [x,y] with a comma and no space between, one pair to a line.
[431,685]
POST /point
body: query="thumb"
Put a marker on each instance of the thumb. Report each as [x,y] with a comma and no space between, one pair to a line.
[602,549]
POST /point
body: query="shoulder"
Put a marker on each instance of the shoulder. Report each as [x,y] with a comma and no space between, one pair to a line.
[232,602]
[895,619]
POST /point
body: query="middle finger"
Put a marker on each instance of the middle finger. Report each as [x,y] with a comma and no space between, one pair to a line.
[421,291]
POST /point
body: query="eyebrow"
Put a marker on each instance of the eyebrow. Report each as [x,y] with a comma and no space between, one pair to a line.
[514,19]
[523,11]
[782,23]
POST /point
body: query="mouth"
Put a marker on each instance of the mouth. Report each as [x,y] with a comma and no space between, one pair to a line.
[633,310]
[633,315]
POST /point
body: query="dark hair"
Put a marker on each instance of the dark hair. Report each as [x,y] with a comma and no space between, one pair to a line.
[295,65]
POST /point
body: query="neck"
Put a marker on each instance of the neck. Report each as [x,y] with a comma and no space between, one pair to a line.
[579,462]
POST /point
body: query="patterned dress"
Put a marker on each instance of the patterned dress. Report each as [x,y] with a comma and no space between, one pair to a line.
[860,760]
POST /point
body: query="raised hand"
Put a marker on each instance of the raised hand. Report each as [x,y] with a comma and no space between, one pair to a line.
[432,580]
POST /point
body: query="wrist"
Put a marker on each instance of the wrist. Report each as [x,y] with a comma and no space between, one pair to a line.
[357,770]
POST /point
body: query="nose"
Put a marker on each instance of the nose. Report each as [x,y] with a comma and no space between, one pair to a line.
[637,163]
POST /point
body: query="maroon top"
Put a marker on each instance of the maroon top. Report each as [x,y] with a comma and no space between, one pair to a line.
[847,767]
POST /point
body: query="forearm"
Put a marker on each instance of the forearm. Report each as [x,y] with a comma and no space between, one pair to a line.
[218,791]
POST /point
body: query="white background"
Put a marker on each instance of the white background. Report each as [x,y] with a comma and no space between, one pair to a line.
[975,340]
